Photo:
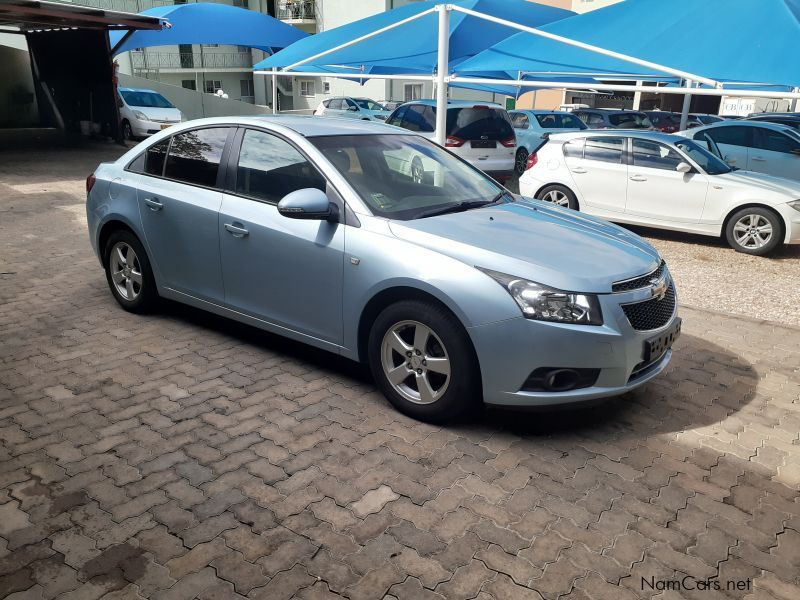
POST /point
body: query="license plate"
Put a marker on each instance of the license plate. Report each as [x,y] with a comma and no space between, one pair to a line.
[166,125]
[484,144]
[655,347]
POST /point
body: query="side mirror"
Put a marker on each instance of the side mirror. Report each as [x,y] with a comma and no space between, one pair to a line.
[683,167]
[308,203]
[353,109]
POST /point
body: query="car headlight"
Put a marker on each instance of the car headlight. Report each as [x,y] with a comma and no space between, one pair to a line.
[140,115]
[547,304]
[795,204]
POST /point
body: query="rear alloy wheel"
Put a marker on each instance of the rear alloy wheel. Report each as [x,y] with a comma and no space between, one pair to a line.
[754,230]
[128,272]
[559,195]
[422,360]
[521,161]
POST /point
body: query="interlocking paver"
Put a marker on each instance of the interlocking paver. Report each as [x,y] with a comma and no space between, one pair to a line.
[180,455]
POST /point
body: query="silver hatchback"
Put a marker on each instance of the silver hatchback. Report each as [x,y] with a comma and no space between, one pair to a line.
[450,288]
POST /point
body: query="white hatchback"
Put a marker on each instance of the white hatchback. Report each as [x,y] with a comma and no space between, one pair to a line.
[481,133]
[145,112]
[665,181]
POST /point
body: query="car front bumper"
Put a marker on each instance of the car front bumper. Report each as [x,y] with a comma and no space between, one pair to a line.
[509,351]
[145,128]
[791,218]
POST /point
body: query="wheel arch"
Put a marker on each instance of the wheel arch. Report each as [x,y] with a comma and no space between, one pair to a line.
[388,296]
[109,227]
[735,209]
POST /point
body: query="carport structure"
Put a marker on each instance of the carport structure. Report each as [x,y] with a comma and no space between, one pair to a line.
[71,62]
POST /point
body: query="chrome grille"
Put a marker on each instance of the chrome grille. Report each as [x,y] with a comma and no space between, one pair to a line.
[653,313]
[640,282]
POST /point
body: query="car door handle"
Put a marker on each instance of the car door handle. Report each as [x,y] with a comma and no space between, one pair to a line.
[759,158]
[153,204]
[638,178]
[579,170]
[236,230]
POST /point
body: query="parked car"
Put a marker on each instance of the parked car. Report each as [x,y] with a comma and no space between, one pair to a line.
[392,104]
[706,119]
[479,132]
[788,119]
[606,118]
[665,181]
[753,145]
[572,107]
[145,112]
[533,126]
[354,108]
[670,122]
[452,291]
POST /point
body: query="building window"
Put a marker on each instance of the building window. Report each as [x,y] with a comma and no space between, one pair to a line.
[307,87]
[211,86]
[247,88]
[189,84]
[412,91]
[326,87]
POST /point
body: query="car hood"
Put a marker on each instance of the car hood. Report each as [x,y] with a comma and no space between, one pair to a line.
[787,189]
[537,241]
[159,114]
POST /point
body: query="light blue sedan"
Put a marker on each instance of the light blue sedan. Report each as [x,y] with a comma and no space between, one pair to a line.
[532,126]
[451,289]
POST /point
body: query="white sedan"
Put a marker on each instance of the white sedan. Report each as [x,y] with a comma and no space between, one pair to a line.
[665,181]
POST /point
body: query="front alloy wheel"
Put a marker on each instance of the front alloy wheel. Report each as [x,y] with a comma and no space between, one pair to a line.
[422,359]
[754,230]
[415,362]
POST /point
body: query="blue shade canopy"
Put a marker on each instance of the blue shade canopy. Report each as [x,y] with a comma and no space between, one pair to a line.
[412,47]
[205,23]
[733,40]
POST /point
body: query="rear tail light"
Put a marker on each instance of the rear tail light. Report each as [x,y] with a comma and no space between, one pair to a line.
[453,142]
[90,182]
[509,142]
[532,160]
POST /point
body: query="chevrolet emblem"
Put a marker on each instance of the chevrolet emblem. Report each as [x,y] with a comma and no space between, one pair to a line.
[658,287]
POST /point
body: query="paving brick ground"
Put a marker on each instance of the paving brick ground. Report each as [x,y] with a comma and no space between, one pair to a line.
[185,456]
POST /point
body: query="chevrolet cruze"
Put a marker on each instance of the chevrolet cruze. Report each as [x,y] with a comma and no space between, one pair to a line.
[450,288]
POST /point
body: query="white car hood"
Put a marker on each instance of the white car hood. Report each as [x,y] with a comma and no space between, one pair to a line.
[761,181]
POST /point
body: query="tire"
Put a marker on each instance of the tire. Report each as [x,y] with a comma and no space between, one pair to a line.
[521,161]
[754,230]
[134,286]
[448,396]
[127,131]
[559,195]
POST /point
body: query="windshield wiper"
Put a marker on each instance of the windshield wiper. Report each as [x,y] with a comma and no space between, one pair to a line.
[461,206]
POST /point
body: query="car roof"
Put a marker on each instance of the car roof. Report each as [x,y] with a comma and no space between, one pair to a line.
[609,110]
[656,136]
[124,89]
[746,123]
[540,111]
[306,125]
[454,103]
[766,116]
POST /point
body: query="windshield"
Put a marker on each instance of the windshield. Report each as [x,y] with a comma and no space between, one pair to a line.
[707,161]
[368,104]
[557,121]
[146,99]
[630,120]
[404,177]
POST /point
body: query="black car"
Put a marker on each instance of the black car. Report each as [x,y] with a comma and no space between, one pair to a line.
[789,119]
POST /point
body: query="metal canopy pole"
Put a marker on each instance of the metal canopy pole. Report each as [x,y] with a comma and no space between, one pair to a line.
[442,72]
[687,103]
[274,91]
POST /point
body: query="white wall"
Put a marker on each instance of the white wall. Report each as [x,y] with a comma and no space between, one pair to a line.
[194,104]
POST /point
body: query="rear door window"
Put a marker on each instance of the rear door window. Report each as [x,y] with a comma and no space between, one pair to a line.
[604,149]
[480,123]
[519,120]
[194,156]
[418,118]
[151,161]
